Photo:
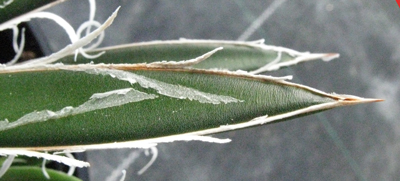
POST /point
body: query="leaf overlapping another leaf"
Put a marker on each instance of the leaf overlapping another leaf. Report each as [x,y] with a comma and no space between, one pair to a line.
[236,55]
[119,101]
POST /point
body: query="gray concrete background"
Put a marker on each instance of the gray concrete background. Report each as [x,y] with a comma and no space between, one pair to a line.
[352,143]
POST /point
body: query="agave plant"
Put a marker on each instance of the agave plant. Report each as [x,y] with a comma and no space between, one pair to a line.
[138,95]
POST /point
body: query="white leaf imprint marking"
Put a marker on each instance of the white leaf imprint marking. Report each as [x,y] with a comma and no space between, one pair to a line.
[97,101]
[6,3]
[175,91]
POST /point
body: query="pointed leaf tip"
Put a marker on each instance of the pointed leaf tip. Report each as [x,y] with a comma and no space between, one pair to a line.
[365,100]
[330,56]
[350,100]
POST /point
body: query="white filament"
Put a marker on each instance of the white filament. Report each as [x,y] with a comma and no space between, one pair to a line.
[92,4]
[18,49]
[46,15]
[61,159]
[260,20]
[154,151]
[44,171]
[70,48]
[71,168]
[123,175]
[6,164]
[86,25]
[267,67]
[126,162]
[15,38]
[13,25]
[73,36]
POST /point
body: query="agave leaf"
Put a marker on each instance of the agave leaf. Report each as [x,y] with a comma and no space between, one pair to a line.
[23,161]
[19,173]
[12,8]
[237,55]
[56,107]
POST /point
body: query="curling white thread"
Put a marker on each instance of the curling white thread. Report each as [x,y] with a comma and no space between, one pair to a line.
[18,49]
[71,169]
[123,175]
[75,46]
[44,171]
[65,25]
[154,151]
[125,163]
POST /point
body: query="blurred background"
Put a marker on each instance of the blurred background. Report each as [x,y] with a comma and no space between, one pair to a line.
[351,143]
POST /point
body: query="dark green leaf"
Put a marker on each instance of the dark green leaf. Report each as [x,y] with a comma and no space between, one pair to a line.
[161,109]
[20,7]
[31,173]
